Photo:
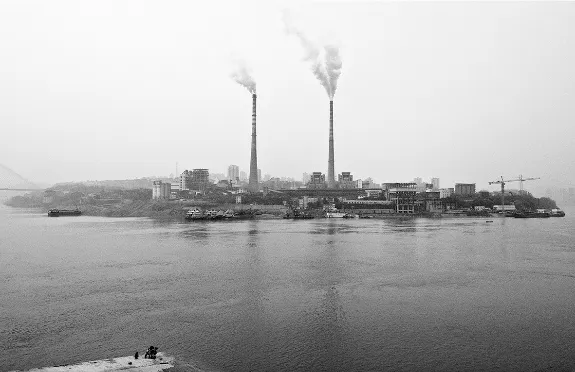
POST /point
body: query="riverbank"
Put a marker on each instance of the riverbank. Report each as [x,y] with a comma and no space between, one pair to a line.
[129,363]
[176,209]
[147,208]
[167,211]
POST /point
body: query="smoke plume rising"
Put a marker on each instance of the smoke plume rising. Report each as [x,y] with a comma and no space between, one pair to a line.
[325,60]
[243,77]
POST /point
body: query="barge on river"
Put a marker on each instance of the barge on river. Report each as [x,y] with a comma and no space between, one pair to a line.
[64,212]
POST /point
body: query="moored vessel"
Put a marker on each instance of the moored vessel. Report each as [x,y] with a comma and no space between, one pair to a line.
[212,214]
[539,213]
[194,214]
[296,214]
[64,212]
[331,212]
[556,212]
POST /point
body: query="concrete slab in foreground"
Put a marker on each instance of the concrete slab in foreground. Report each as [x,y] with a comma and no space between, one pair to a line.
[161,363]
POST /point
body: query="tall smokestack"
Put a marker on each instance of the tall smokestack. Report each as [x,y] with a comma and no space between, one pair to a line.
[254,159]
[330,162]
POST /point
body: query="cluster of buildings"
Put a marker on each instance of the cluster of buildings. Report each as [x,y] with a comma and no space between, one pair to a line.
[196,181]
[398,197]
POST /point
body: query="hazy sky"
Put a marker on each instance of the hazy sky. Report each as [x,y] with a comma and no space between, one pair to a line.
[122,89]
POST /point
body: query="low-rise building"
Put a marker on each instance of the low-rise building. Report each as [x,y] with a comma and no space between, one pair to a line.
[433,202]
[373,193]
[434,205]
[446,193]
[305,200]
[362,203]
[484,194]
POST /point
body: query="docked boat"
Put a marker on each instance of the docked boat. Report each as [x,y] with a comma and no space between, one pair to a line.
[335,215]
[229,214]
[331,212]
[296,214]
[540,213]
[194,214]
[213,214]
[64,212]
[556,212]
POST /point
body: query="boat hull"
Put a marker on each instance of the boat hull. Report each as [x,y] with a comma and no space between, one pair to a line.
[335,215]
[63,212]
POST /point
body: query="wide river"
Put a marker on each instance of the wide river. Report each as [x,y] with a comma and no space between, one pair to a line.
[278,295]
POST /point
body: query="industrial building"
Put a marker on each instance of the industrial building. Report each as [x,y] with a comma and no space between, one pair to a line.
[345,180]
[403,194]
[317,181]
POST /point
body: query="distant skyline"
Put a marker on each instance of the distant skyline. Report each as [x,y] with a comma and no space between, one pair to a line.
[462,91]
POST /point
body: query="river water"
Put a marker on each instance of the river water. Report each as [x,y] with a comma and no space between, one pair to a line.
[279,295]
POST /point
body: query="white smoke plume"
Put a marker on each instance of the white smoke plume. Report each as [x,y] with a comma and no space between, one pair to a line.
[325,60]
[242,75]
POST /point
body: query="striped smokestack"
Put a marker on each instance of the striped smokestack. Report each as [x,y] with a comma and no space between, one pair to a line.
[330,162]
[254,159]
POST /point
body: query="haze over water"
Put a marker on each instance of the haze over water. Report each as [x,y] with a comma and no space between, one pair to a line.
[418,294]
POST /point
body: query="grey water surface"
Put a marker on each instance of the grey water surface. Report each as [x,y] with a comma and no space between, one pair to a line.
[279,295]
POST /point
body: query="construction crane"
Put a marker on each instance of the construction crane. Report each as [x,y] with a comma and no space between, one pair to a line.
[503,182]
[521,179]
